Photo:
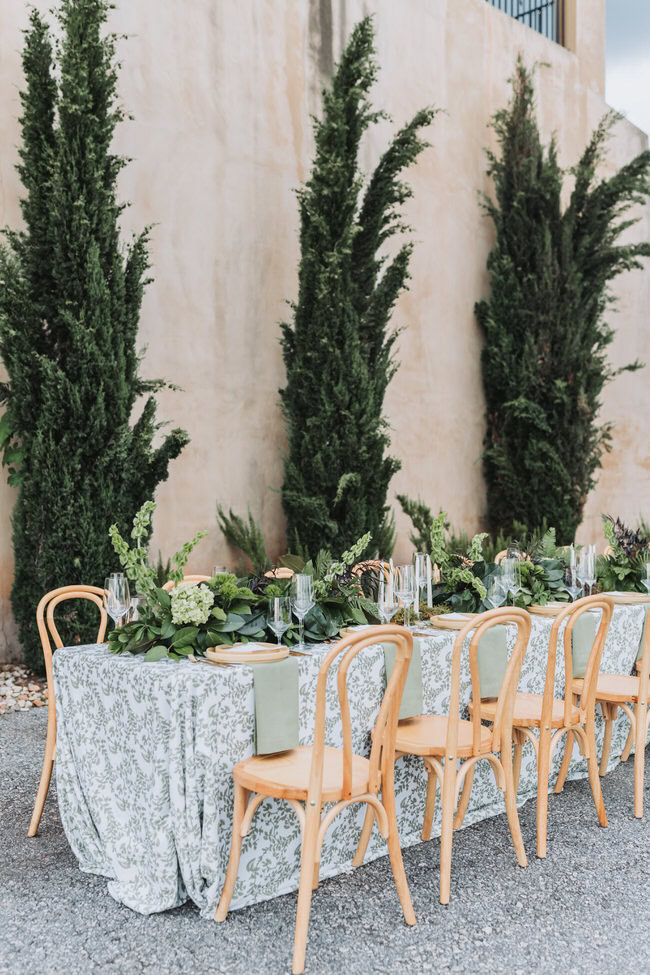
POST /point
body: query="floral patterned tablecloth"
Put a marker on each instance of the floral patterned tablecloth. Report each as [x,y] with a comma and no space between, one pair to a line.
[145,753]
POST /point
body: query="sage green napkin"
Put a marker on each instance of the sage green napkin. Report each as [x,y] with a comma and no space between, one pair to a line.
[412,696]
[582,640]
[276,706]
[492,660]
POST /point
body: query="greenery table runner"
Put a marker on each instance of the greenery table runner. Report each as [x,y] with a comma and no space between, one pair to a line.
[145,753]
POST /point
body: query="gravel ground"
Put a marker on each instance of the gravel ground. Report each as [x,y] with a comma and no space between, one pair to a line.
[20,689]
[585,908]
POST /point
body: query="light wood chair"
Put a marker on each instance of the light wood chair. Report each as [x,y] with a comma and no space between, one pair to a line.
[614,691]
[170,584]
[45,623]
[435,737]
[317,774]
[282,572]
[372,565]
[553,717]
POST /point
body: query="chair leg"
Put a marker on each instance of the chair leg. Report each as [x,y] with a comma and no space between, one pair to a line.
[430,805]
[543,769]
[609,714]
[447,834]
[625,754]
[519,739]
[594,778]
[308,857]
[46,776]
[394,849]
[566,761]
[511,803]
[241,802]
[639,757]
[464,798]
[365,836]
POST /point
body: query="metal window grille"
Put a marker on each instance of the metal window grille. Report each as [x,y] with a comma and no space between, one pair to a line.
[544,16]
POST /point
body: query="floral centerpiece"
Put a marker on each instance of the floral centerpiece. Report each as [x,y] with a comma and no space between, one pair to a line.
[224,610]
[624,566]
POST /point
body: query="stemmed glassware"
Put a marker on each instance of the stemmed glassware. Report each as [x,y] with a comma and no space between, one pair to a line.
[117,599]
[496,594]
[586,569]
[571,583]
[302,601]
[279,615]
[511,577]
[386,599]
[405,589]
[646,581]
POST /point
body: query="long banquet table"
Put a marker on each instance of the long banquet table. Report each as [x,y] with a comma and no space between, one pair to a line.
[145,753]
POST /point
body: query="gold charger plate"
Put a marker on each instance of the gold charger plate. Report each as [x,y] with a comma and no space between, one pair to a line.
[457,622]
[550,610]
[236,654]
[628,598]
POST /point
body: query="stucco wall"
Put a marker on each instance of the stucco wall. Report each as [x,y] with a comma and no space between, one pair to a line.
[221,91]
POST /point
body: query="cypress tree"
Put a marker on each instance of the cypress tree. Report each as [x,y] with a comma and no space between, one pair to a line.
[69,310]
[545,358]
[338,349]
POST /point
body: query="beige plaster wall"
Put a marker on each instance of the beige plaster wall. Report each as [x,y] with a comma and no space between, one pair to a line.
[221,91]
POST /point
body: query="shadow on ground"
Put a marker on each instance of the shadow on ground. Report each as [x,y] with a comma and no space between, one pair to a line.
[585,908]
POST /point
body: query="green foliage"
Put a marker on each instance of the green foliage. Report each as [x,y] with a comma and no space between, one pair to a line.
[338,349]
[624,569]
[247,537]
[545,357]
[422,518]
[69,310]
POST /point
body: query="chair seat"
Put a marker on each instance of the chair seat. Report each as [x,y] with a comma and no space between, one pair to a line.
[285,775]
[528,711]
[427,735]
[615,688]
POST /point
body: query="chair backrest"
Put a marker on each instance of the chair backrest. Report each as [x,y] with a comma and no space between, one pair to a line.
[47,626]
[502,725]
[572,613]
[383,737]
[372,565]
[282,572]
[500,556]
[170,584]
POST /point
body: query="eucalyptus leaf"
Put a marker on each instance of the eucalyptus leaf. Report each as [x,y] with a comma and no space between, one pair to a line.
[156,653]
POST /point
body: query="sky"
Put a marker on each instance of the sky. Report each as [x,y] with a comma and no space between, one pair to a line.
[628,59]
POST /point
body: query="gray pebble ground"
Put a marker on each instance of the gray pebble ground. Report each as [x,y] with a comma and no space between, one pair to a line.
[586,908]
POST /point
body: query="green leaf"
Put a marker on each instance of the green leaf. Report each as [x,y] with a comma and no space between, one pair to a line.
[156,653]
[231,624]
[218,613]
[167,630]
[184,637]
[163,598]
[240,607]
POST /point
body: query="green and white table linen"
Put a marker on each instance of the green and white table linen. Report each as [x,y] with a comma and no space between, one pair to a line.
[145,753]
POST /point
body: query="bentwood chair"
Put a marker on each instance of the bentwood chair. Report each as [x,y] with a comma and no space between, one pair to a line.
[614,691]
[170,584]
[47,628]
[308,777]
[553,717]
[435,737]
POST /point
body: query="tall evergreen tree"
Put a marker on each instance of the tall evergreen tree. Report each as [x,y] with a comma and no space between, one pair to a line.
[545,359]
[338,350]
[69,309]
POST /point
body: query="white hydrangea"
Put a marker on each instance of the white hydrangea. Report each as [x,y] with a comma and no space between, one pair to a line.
[191,604]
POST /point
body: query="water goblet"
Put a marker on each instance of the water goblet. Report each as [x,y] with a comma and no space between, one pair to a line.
[386,599]
[279,615]
[571,583]
[302,601]
[511,577]
[117,599]
[405,589]
[496,594]
[136,609]
[646,580]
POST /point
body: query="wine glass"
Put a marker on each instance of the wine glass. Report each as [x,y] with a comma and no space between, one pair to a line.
[279,615]
[646,581]
[421,577]
[136,608]
[511,576]
[117,599]
[386,599]
[405,589]
[586,569]
[571,583]
[496,594]
[302,601]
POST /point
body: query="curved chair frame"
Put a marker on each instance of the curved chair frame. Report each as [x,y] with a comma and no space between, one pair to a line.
[281,572]
[249,795]
[451,778]
[46,629]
